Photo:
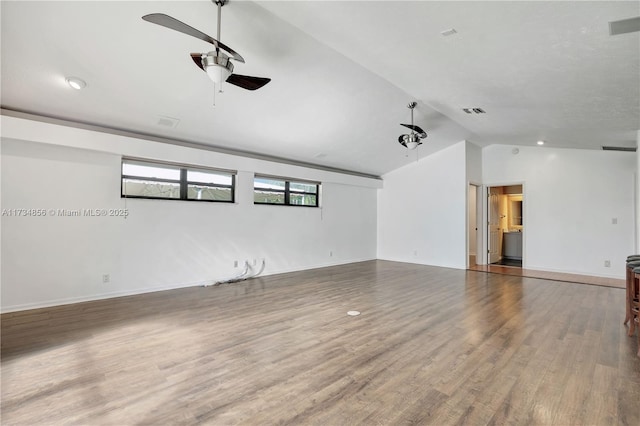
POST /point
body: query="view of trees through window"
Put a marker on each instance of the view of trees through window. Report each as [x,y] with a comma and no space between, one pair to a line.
[172,182]
[268,190]
[166,181]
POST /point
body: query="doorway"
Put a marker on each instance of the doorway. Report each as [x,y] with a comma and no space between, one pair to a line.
[505,225]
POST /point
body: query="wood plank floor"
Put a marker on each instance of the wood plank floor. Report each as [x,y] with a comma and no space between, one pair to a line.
[432,346]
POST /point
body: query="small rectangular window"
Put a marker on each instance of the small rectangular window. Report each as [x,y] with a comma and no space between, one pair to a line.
[282,191]
[142,179]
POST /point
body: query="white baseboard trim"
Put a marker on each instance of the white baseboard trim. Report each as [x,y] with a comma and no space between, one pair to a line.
[111,295]
[620,276]
[425,263]
[92,297]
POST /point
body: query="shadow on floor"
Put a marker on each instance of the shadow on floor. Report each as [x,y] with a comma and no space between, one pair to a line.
[509,262]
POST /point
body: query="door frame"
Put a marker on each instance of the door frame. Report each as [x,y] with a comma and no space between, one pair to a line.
[485,220]
[479,249]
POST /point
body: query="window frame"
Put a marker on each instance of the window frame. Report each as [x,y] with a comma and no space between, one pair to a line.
[183,182]
[287,190]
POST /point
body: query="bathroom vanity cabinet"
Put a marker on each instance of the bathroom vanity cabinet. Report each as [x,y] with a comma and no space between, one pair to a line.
[512,245]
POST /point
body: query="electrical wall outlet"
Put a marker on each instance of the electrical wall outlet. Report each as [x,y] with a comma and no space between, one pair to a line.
[607,264]
[235,263]
[106,278]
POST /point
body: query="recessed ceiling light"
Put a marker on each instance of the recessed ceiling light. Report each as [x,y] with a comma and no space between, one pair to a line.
[540,142]
[449,32]
[76,83]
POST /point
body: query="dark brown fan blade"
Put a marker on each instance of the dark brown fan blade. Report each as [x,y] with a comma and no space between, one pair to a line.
[247,82]
[414,128]
[402,141]
[172,23]
[197,58]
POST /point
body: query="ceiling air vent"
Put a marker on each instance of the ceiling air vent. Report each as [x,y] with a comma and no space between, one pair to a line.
[474,110]
[619,148]
[168,121]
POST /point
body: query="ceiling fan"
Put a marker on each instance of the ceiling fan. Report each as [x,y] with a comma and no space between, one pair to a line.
[412,140]
[217,64]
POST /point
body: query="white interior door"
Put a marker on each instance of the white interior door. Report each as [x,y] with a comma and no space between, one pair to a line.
[495,232]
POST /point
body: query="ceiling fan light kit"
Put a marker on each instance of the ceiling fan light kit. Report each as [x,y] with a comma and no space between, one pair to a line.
[412,140]
[218,67]
[412,144]
[216,63]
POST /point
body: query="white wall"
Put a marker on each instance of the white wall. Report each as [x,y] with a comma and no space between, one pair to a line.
[161,244]
[570,200]
[473,155]
[422,211]
[420,216]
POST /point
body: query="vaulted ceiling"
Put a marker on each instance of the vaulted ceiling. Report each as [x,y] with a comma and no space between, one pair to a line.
[342,74]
